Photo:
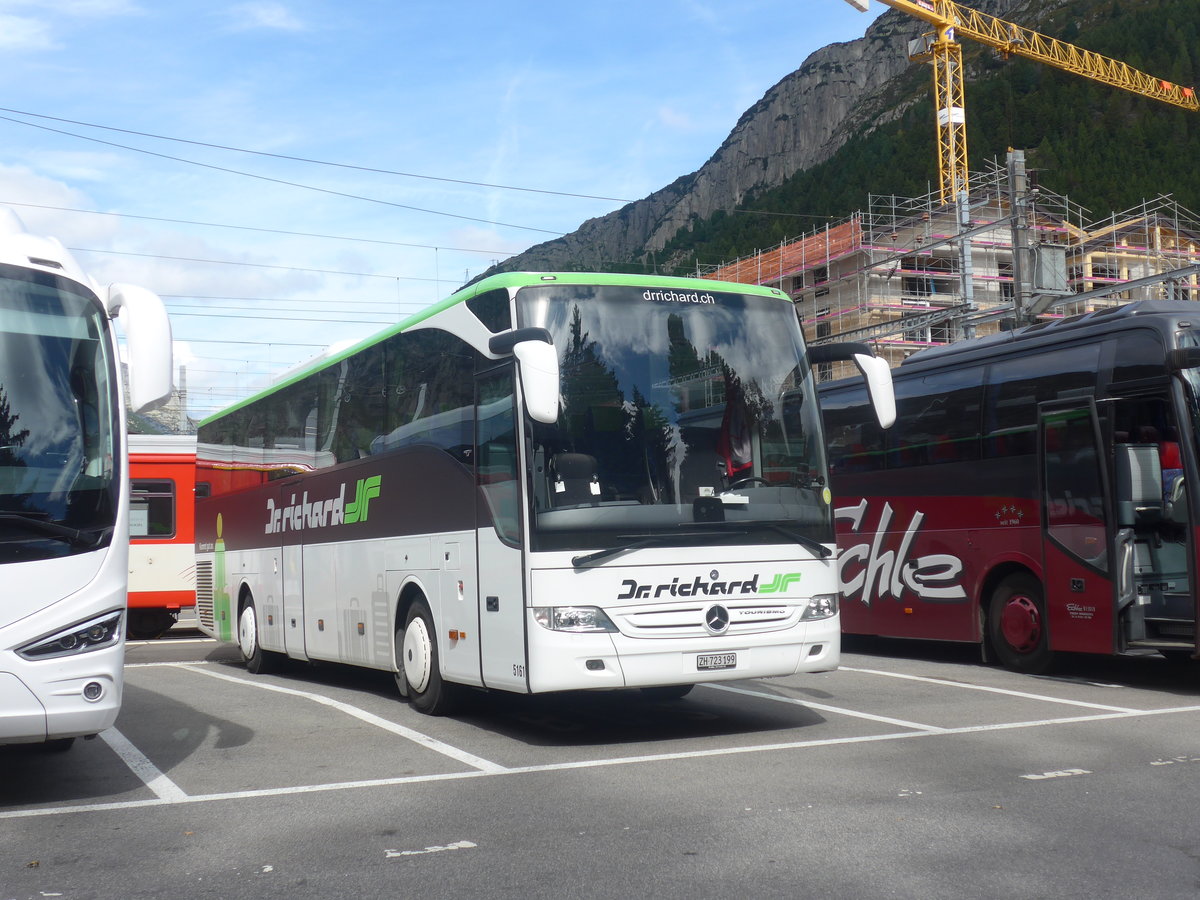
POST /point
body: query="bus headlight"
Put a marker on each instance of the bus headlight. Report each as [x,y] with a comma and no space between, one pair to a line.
[573,618]
[92,634]
[821,606]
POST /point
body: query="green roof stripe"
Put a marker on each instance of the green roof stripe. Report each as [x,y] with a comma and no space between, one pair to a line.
[503,280]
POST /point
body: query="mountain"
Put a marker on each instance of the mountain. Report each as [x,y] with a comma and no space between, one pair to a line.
[857,118]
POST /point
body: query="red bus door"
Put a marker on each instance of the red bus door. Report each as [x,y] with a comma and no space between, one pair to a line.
[1080,556]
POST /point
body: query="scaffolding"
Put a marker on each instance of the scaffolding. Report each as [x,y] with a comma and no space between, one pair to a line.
[910,272]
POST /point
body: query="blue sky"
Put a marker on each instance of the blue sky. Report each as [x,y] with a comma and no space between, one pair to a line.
[263,258]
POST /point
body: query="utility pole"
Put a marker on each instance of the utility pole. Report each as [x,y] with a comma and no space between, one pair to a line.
[1017,196]
[966,266]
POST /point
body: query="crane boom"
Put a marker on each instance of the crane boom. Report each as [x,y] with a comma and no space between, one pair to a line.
[952,20]
[1008,37]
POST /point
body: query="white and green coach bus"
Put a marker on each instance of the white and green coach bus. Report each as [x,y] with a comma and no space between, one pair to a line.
[546,482]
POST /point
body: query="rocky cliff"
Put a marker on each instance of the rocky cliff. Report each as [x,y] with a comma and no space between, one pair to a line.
[838,93]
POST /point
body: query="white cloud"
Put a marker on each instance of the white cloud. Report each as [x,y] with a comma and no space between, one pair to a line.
[23,33]
[61,8]
[264,14]
[676,120]
[32,32]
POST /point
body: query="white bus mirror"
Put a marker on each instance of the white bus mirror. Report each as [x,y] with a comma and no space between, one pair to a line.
[878,375]
[147,343]
[875,371]
[539,379]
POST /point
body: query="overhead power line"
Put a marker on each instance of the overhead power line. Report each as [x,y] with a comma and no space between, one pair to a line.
[281,181]
[238,262]
[315,162]
[330,237]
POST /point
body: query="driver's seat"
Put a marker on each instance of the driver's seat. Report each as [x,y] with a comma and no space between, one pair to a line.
[575,479]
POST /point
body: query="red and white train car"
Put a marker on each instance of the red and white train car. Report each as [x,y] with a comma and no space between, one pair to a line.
[162,563]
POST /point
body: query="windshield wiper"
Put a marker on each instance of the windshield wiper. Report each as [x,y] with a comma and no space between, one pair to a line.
[658,540]
[38,523]
[802,539]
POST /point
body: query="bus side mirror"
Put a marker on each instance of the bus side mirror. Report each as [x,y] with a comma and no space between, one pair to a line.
[147,343]
[538,361]
[1183,358]
[539,379]
[878,375]
[875,372]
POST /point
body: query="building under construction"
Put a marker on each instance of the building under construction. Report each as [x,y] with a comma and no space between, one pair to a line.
[908,273]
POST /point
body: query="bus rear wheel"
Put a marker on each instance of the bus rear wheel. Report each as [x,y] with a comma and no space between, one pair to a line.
[257,659]
[1017,626]
[420,667]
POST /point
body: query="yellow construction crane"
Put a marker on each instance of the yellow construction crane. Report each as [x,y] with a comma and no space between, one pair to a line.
[953,20]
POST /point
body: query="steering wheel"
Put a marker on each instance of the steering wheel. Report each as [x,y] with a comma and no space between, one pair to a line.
[749,479]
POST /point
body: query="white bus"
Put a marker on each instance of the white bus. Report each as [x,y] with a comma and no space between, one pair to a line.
[64,484]
[543,483]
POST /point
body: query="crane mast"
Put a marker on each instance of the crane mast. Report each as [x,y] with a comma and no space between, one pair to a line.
[953,20]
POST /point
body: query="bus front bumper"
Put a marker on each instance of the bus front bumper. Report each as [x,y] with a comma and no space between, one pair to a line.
[560,661]
[46,705]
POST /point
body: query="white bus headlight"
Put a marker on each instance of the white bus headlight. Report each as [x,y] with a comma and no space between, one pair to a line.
[573,618]
[92,634]
[821,606]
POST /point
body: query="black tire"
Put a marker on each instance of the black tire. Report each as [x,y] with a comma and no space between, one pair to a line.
[667,692]
[420,665]
[1017,627]
[258,660]
[58,745]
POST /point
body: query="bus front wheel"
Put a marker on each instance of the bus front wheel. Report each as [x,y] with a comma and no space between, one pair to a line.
[256,658]
[1017,625]
[419,666]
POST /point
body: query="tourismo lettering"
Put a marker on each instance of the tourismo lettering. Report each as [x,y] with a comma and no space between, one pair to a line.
[868,570]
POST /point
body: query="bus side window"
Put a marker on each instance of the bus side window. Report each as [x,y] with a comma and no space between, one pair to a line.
[1016,386]
[496,469]
[854,437]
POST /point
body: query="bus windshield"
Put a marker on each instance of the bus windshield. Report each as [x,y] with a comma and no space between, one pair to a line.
[682,412]
[57,409]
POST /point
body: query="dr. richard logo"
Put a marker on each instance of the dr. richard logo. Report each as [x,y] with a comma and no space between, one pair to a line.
[296,516]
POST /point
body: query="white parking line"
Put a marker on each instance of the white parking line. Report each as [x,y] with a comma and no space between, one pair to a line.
[430,743]
[164,788]
[1024,695]
[593,763]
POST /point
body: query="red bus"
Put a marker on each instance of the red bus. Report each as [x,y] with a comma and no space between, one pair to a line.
[162,564]
[1033,495]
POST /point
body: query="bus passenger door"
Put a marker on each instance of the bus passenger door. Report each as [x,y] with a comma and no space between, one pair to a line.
[291,551]
[498,533]
[1078,540]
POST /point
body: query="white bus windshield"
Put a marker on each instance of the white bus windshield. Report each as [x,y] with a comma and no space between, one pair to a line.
[57,411]
[681,412]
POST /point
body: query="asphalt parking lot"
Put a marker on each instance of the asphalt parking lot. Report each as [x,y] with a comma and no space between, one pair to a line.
[913,771]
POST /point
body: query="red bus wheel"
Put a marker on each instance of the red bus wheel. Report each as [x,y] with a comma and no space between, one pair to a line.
[1017,625]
